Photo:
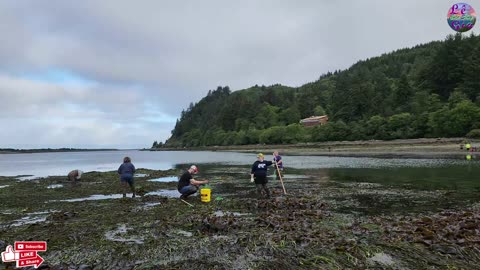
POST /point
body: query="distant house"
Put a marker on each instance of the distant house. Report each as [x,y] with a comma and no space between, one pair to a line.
[314,120]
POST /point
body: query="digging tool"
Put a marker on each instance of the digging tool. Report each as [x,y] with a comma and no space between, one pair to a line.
[113,186]
[280,175]
[191,205]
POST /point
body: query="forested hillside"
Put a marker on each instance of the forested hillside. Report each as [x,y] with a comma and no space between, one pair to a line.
[431,90]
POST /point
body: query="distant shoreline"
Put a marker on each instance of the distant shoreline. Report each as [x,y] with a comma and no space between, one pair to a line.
[49,150]
[430,148]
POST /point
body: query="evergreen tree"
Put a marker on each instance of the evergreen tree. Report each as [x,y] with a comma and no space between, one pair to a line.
[429,90]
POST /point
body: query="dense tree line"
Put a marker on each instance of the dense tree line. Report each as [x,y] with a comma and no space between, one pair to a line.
[431,90]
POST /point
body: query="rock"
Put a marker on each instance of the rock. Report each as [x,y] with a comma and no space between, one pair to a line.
[59,216]
[84,267]
[445,249]
[427,220]
[425,242]
[3,245]
[427,234]
[43,266]
[69,214]
[382,258]
[470,225]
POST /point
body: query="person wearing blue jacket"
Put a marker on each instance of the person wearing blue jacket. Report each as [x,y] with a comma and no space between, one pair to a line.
[259,174]
[126,171]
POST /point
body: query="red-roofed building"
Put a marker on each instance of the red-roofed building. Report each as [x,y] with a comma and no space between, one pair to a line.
[314,120]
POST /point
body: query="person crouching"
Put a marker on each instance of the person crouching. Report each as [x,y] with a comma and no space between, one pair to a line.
[75,175]
[259,174]
[187,185]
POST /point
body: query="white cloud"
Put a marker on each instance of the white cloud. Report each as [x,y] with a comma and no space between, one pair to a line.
[170,53]
[52,115]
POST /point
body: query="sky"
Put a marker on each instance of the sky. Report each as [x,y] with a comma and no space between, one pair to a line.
[117,73]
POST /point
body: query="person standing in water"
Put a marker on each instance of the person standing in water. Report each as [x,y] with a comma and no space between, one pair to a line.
[187,185]
[278,159]
[258,174]
[126,171]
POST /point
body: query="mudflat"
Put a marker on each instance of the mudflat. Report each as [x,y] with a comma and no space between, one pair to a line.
[320,223]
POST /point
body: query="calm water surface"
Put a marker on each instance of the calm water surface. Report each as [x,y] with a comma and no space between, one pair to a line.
[48,164]
[429,173]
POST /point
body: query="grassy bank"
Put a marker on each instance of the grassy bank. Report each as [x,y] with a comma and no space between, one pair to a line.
[319,224]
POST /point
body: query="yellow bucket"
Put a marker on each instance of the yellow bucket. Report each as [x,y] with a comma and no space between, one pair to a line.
[205,194]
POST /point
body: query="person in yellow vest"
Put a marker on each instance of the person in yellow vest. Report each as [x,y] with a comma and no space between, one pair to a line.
[468,146]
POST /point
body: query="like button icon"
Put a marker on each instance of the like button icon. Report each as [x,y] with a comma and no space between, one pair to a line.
[9,255]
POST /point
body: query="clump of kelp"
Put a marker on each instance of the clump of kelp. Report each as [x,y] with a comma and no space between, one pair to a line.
[459,228]
[307,228]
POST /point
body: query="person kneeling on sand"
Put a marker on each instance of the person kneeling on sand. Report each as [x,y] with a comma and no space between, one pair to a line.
[126,171]
[259,174]
[187,185]
[75,175]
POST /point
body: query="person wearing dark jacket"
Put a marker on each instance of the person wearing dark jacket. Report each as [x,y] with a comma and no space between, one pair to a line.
[126,171]
[187,185]
[258,174]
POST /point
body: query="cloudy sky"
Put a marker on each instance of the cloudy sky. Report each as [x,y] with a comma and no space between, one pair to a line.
[116,73]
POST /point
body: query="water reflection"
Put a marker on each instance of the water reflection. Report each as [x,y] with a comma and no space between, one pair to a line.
[165,179]
[117,235]
[45,164]
[94,198]
[30,218]
[27,178]
[404,189]
[55,186]
[449,177]
[167,193]
[472,157]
